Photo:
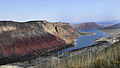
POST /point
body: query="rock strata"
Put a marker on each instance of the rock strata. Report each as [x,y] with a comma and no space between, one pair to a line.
[22,41]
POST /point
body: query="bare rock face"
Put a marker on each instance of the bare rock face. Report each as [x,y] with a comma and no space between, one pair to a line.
[62,30]
[20,40]
[86,26]
[9,66]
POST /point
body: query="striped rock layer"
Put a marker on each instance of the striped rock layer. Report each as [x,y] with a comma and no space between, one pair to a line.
[23,39]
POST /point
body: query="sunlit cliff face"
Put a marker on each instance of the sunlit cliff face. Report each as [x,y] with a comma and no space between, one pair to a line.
[7,28]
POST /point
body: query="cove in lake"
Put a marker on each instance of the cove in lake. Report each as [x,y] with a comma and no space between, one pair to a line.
[86,40]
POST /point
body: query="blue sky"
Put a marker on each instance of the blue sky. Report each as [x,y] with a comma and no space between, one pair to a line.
[60,10]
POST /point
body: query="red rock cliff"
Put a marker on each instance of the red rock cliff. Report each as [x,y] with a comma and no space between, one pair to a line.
[23,38]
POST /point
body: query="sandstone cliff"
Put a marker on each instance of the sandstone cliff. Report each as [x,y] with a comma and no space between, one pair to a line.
[21,40]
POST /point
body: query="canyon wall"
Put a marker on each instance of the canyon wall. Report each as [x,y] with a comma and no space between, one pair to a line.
[22,39]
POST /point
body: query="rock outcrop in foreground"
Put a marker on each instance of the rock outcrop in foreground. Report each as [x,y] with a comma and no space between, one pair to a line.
[20,41]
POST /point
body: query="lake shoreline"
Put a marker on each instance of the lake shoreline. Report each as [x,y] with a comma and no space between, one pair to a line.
[86,33]
[86,47]
[87,40]
[98,46]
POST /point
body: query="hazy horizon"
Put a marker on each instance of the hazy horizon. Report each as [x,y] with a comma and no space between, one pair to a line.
[62,10]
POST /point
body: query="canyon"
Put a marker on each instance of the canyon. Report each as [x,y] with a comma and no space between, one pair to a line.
[103,49]
[35,44]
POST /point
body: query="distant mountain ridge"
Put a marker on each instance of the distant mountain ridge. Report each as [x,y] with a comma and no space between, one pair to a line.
[115,26]
[86,26]
[108,23]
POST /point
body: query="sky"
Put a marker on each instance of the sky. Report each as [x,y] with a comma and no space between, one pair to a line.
[60,10]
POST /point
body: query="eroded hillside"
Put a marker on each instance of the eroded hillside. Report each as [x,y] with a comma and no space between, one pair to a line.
[18,40]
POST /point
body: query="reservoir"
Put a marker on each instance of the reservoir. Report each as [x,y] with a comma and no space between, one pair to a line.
[86,40]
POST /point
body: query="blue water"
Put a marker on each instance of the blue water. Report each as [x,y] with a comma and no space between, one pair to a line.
[86,40]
